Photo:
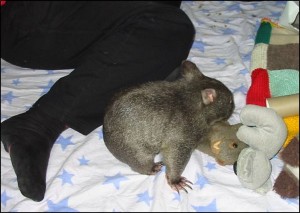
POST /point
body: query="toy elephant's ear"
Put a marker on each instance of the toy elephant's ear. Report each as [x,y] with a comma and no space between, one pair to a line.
[253,169]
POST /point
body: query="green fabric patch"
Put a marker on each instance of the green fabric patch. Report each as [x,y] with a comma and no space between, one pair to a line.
[283,82]
[264,33]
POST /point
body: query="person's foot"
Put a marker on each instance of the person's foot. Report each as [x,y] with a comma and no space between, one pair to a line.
[29,137]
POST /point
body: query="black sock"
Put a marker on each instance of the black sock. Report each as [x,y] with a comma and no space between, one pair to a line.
[29,137]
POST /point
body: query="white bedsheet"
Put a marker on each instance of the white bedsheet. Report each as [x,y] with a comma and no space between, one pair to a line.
[84,176]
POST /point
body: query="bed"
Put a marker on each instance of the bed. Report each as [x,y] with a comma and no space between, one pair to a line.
[84,176]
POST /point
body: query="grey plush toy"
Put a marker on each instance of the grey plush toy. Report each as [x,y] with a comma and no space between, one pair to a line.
[222,143]
[265,132]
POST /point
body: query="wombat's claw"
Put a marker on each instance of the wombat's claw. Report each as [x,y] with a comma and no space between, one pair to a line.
[181,184]
[157,167]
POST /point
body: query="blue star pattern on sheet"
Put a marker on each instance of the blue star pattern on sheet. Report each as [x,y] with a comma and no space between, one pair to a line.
[50,72]
[66,177]
[4,198]
[176,196]
[244,71]
[199,45]
[64,142]
[61,206]
[116,180]
[16,81]
[219,61]
[275,14]
[145,197]
[201,181]
[241,89]
[83,161]
[228,31]
[8,97]
[47,87]
[211,207]
[234,7]
[210,166]
[293,200]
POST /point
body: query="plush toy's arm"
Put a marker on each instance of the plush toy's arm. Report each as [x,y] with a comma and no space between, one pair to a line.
[263,129]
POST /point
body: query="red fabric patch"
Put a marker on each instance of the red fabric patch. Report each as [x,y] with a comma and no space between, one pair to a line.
[259,90]
[3,2]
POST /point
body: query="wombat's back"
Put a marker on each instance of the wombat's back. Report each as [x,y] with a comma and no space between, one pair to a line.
[140,118]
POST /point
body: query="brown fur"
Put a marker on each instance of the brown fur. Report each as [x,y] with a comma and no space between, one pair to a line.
[170,118]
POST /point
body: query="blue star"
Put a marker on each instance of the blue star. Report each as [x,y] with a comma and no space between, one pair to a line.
[228,31]
[61,206]
[280,3]
[209,208]
[49,72]
[83,161]
[244,71]
[64,142]
[47,87]
[210,166]
[241,89]
[8,97]
[4,198]
[293,200]
[145,198]
[219,61]
[201,181]
[176,196]
[275,14]
[16,82]
[116,179]
[234,7]
[199,45]
[66,177]
[247,57]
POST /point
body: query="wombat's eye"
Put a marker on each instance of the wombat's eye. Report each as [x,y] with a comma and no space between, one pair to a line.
[233,145]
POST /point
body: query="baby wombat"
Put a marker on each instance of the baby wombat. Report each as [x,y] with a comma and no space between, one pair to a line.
[165,117]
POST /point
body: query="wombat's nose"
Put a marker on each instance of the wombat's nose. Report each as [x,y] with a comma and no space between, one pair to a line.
[234,167]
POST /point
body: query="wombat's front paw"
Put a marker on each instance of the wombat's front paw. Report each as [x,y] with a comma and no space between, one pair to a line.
[180,184]
[157,168]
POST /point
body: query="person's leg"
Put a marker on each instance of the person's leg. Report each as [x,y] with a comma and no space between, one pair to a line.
[143,46]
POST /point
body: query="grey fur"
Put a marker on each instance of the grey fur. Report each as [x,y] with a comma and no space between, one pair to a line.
[165,117]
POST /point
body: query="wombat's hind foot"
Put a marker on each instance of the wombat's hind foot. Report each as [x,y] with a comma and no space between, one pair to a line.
[157,167]
[182,183]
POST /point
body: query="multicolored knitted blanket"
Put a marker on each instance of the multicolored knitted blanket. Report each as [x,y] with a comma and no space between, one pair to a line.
[275,68]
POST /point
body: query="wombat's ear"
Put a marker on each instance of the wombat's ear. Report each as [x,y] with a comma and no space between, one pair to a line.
[190,71]
[208,96]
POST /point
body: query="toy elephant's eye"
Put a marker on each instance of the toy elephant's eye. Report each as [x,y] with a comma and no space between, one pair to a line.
[233,145]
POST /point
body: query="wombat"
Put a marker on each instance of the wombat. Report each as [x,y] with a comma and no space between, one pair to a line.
[165,117]
[222,143]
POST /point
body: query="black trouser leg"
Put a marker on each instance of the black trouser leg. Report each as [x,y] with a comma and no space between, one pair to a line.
[145,48]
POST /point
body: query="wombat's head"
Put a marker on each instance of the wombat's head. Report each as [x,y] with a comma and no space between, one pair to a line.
[217,99]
